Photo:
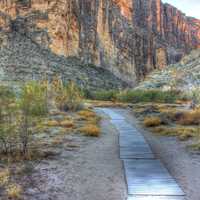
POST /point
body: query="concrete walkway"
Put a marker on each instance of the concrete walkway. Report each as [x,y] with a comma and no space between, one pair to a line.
[147,178]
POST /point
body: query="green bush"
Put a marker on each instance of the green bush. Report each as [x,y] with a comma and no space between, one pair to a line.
[135,96]
[8,126]
[104,95]
[18,115]
[68,97]
[33,99]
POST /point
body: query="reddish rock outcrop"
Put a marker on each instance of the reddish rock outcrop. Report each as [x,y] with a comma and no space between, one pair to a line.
[128,37]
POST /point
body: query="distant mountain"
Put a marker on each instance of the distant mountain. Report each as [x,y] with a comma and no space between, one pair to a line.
[130,38]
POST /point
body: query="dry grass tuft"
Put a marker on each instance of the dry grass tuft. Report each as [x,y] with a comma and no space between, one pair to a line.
[152,121]
[87,114]
[90,130]
[14,191]
[67,123]
[183,133]
[190,118]
[52,123]
[195,147]
[4,177]
[164,131]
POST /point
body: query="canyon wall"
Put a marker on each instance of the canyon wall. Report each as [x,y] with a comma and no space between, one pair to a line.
[128,37]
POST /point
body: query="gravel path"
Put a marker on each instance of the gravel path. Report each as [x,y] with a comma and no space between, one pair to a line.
[183,165]
[93,172]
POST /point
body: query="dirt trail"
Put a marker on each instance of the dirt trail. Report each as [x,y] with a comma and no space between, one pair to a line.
[91,172]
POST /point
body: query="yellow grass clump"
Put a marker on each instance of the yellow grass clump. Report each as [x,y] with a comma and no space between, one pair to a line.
[67,123]
[90,130]
[14,191]
[52,123]
[152,121]
[4,177]
[87,114]
[190,118]
[183,133]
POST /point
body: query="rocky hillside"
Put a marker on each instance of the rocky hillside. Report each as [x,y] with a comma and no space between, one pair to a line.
[184,75]
[128,37]
[21,59]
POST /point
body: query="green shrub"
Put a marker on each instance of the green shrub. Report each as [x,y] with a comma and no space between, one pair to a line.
[7,98]
[68,97]
[33,99]
[18,116]
[104,95]
[33,105]
[135,96]
[8,112]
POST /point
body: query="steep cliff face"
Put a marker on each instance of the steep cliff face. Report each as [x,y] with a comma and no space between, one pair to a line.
[128,37]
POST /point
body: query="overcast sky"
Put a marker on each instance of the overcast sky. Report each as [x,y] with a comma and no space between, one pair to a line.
[189,7]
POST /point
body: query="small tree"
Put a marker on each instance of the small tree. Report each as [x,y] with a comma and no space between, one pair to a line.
[195,97]
[67,97]
[32,104]
[8,126]
[74,96]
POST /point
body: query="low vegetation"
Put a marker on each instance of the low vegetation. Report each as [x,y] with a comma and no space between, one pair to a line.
[14,191]
[34,109]
[67,97]
[189,117]
[172,120]
[90,130]
[135,96]
[182,132]
[152,121]
[104,95]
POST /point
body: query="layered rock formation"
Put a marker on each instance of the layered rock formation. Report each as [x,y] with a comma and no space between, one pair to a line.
[127,37]
[183,76]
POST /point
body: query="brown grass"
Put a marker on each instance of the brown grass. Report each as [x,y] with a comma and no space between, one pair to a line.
[190,118]
[152,121]
[14,191]
[86,114]
[4,177]
[67,123]
[195,147]
[90,130]
[183,133]
[52,123]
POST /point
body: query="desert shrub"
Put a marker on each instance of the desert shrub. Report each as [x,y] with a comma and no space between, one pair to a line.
[87,93]
[152,121]
[8,124]
[189,118]
[68,97]
[33,106]
[67,123]
[183,133]
[4,177]
[52,123]
[18,115]
[33,99]
[104,95]
[87,114]
[195,96]
[135,96]
[90,130]
[7,99]
[14,191]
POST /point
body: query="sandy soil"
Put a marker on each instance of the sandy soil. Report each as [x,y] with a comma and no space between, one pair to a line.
[93,171]
[182,164]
